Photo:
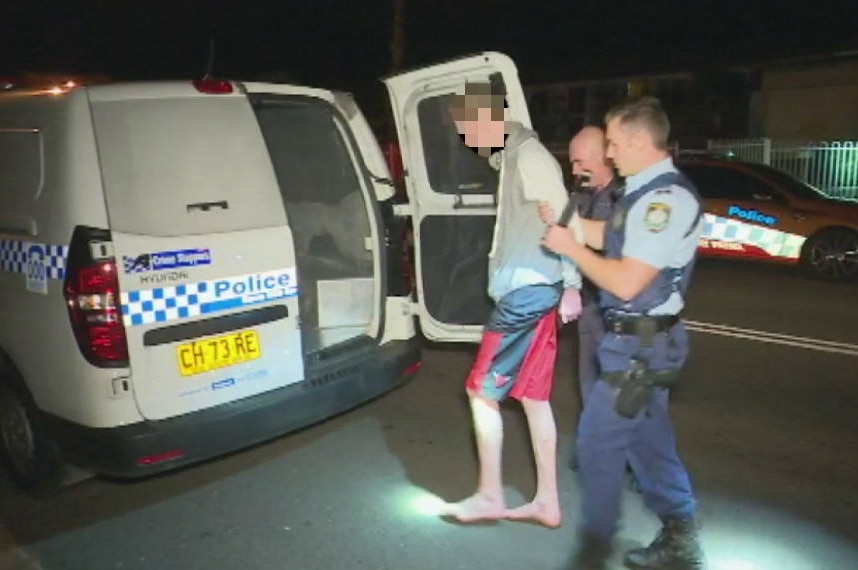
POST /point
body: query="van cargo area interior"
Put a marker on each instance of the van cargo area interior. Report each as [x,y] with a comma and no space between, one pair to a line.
[328,214]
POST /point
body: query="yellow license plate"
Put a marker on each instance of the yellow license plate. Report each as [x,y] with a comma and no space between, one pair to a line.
[218,352]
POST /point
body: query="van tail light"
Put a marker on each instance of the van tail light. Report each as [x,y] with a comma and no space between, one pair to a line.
[92,296]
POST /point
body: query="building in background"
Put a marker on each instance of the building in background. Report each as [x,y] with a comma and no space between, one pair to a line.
[810,99]
[701,106]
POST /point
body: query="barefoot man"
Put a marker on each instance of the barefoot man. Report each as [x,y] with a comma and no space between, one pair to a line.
[529,286]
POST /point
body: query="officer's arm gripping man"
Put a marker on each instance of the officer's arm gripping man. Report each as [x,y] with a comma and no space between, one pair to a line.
[543,182]
[593,230]
[654,226]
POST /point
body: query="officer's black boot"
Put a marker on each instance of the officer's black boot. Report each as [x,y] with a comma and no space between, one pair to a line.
[676,547]
[593,554]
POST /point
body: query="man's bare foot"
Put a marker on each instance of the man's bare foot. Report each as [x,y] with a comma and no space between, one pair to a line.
[547,514]
[477,507]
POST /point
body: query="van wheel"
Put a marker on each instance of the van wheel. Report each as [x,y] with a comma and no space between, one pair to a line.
[832,254]
[29,457]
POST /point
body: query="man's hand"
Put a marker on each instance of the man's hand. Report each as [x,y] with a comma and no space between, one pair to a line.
[577,228]
[570,305]
[559,240]
[546,214]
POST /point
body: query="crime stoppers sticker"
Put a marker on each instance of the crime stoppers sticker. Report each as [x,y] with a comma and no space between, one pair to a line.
[166,260]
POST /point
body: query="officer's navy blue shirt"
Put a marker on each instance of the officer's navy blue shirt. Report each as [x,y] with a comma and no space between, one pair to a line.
[599,204]
[656,227]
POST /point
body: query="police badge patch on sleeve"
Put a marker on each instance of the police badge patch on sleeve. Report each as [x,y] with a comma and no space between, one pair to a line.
[657,216]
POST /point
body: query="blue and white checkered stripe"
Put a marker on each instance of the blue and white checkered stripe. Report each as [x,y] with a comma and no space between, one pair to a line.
[774,242]
[13,257]
[162,304]
[173,302]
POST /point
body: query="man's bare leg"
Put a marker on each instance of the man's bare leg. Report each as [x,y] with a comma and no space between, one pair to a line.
[545,507]
[488,502]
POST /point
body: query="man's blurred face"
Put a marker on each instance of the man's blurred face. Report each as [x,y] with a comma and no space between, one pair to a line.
[481,123]
[482,131]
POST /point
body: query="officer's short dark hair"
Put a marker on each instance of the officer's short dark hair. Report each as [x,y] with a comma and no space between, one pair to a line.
[464,107]
[643,112]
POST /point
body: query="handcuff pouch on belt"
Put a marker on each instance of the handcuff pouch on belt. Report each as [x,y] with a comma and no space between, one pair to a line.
[634,386]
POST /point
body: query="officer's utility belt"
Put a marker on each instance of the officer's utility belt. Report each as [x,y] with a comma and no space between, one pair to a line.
[633,387]
[644,327]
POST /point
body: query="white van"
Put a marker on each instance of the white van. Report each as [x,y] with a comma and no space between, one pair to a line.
[189,268]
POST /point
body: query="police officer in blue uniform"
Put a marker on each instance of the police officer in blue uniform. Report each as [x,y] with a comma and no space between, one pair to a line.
[599,189]
[649,246]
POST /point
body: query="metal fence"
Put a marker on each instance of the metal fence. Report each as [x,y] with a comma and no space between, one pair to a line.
[831,167]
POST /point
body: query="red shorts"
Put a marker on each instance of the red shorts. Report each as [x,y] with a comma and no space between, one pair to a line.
[517,363]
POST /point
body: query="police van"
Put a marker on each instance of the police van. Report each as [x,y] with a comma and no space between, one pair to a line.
[188,268]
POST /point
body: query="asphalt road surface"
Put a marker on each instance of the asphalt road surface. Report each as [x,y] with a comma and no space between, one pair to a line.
[767,423]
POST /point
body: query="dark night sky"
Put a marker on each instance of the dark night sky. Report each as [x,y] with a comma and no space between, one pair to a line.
[344,44]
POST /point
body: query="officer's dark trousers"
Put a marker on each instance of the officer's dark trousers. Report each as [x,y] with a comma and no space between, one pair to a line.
[591,329]
[606,441]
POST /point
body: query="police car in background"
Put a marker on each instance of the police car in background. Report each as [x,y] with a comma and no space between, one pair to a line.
[188,268]
[754,211]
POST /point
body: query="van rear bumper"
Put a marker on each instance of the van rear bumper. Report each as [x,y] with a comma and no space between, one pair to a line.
[329,389]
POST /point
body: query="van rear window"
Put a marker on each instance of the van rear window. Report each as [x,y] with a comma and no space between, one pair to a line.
[320,182]
[310,156]
[175,166]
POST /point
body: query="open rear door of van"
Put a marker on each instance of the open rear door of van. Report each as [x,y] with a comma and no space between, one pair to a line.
[204,256]
[451,191]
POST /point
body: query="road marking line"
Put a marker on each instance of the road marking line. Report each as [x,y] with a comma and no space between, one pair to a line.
[774,338]
[773,334]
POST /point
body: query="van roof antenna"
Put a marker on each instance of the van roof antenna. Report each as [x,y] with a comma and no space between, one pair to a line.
[210,63]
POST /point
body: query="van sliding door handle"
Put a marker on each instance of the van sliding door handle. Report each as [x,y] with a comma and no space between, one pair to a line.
[206,206]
